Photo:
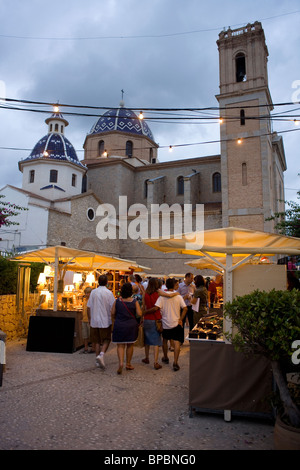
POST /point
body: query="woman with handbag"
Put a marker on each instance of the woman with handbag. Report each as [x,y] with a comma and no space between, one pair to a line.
[125,314]
[152,320]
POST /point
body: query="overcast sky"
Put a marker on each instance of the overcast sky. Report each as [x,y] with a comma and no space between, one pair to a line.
[162,53]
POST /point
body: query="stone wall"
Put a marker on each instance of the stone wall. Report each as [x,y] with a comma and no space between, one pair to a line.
[15,324]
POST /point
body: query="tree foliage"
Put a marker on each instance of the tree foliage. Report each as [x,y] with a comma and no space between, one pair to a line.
[288,222]
[8,210]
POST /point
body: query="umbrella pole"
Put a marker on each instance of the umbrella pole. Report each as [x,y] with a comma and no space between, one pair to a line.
[227,328]
[55,280]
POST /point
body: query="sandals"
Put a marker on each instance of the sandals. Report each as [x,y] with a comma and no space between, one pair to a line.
[146,360]
[128,367]
[157,366]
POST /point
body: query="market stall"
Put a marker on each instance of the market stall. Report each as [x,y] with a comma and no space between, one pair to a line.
[257,272]
[56,324]
[220,378]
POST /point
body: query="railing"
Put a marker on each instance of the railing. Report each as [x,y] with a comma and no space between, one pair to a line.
[236,32]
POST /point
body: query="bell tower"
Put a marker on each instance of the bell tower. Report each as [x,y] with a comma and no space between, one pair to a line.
[252,155]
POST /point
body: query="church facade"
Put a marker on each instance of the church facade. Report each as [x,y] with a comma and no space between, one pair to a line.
[241,187]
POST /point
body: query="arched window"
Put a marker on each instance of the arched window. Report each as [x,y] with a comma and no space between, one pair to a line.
[216,180]
[53,176]
[129,148]
[31,176]
[56,127]
[101,147]
[146,188]
[74,178]
[244,174]
[242,117]
[84,184]
[180,185]
[240,67]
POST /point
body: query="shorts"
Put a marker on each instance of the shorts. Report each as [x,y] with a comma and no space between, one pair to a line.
[177,334]
[85,328]
[99,335]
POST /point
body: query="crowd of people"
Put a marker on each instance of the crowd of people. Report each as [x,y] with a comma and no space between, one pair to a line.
[161,310]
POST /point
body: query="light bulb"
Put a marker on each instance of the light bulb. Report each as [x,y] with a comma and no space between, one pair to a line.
[141,116]
[239,141]
[296,122]
[56,109]
[170,148]
[221,120]
[104,154]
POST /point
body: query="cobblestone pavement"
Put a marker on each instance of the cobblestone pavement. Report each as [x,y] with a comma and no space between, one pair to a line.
[64,402]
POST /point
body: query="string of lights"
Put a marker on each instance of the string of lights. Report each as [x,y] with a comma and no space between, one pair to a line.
[193,109]
[171,147]
[203,119]
[171,118]
[180,119]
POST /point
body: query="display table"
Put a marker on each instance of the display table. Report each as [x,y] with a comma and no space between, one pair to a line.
[55,331]
[223,380]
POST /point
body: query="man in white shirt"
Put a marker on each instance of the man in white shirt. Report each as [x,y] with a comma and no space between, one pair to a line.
[99,312]
[186,290]
[172,322]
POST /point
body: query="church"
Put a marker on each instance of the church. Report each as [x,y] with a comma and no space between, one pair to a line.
[242,186]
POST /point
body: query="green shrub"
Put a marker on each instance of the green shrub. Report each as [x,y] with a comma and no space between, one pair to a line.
[268,323]
[9,276]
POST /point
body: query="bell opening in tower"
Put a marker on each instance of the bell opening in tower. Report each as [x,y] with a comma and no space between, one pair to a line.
[240,63]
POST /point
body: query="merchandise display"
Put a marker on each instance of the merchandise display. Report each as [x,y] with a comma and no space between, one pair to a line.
[209,327]
[71,288]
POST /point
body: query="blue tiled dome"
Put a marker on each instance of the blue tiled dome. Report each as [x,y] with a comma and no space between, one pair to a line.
[124,120]
[54,146]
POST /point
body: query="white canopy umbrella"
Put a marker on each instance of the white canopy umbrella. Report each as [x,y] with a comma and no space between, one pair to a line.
[223,241]
[71,258]
[226,244]
[205,263]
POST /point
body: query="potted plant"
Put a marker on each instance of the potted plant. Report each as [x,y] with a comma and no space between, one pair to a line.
[268,323]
